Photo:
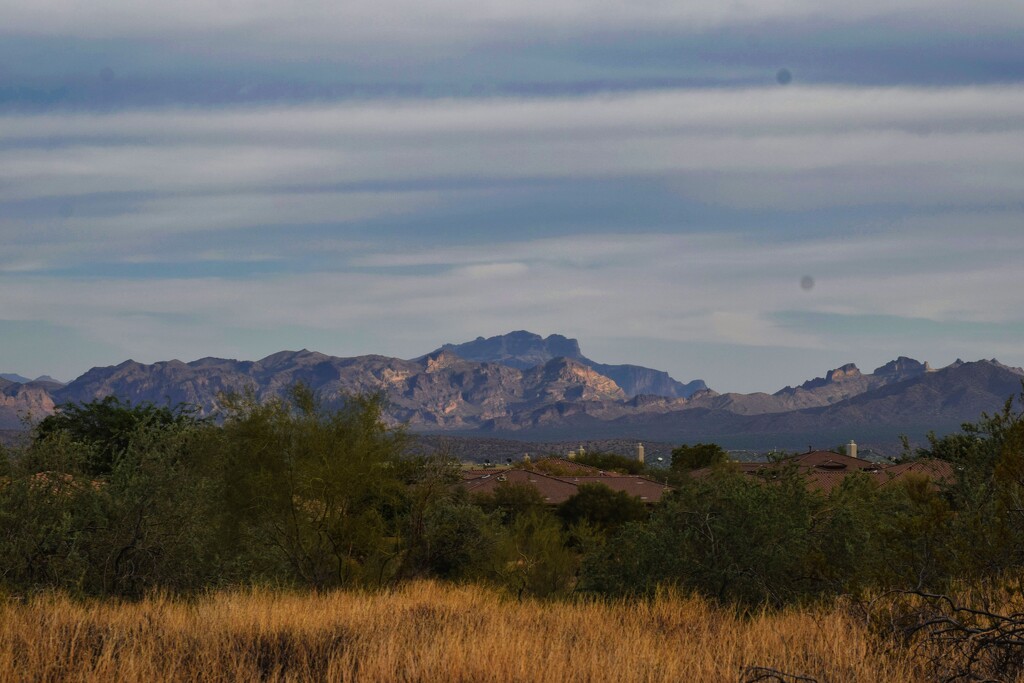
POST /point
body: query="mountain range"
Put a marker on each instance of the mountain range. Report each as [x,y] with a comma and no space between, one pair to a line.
[524,350]
[521,385]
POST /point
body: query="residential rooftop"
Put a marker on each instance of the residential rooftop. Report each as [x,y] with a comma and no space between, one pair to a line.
[558,480]
[825,470]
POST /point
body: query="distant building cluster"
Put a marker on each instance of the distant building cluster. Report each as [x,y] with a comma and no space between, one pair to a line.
[558,480]
[825,470]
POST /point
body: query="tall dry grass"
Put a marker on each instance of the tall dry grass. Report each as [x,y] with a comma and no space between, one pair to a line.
[429,632]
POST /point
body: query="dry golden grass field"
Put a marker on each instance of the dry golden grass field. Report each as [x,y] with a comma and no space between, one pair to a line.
[434,632]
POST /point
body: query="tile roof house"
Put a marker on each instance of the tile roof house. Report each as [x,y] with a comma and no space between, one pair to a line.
[825,470]
[643,488]
[938,471]
[558,488]
[554,490]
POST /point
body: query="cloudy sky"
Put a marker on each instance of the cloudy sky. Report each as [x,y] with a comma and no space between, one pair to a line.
[750,193]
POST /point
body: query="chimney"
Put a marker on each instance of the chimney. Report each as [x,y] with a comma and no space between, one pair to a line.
[851,449]
[640,453]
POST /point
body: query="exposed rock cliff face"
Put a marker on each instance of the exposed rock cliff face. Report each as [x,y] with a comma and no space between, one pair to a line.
[843,373]
[562,379]
[902,368]
[19,402]
[636,380]
[438,390]
[524,350]
[562,397]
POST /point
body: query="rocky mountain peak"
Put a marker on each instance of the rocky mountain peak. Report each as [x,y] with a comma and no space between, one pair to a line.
[444,391]
[844,372]
[524,350]
[520,349]
[563,346]
[841,374]
[283,359]
[1011,368]
[902,368]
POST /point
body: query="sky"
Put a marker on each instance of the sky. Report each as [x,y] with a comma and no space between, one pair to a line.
[749,193]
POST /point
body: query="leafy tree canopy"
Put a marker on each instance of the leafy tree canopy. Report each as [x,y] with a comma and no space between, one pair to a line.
[611,462]
[698,455]
[511,500]
[602,507]
[108,425]
[316,494]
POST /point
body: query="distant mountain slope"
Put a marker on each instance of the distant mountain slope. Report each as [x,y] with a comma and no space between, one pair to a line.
[439,390]
[20,379]
[561,397]
[937,401]
[837,385]
[523,350]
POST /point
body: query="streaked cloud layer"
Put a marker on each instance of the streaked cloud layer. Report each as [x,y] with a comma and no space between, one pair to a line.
[386,184]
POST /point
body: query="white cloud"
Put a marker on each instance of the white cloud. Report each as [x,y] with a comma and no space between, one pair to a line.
[777,148]
[951,155]
[674,288]
[738,112]
[483,271]
[353,27]
[197,213]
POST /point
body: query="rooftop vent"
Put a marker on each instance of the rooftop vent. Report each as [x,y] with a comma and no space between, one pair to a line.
[832,465]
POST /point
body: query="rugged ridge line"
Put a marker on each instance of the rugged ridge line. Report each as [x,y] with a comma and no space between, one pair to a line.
[561,397]
[523,350]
